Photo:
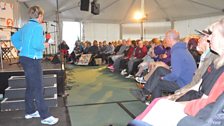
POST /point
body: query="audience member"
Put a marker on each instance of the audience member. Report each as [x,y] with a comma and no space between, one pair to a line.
[180,110]
[63,48]
[94,50]
[183,68]
[133,63]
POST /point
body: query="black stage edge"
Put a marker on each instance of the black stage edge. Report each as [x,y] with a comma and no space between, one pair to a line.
[16,70]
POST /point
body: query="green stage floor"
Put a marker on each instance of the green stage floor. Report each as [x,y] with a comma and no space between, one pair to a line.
[100,98]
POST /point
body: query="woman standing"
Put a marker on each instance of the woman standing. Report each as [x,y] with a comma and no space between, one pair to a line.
[29,40]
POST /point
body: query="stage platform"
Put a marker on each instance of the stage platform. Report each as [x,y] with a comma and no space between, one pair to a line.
[16,118]
[15,69]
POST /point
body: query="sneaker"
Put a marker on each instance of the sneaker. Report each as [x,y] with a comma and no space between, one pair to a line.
[129,76]
[33,115]
[123,72]
[50,120]
[140,80]
[111,67]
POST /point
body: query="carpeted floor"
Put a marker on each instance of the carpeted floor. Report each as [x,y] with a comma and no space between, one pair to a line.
[100,98]
[97,98]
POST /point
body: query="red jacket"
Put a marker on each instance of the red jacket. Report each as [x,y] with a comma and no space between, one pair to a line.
[130,52]
[141,52]
[194,106]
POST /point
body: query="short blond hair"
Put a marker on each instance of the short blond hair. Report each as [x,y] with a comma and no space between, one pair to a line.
[156,41]
[35,11]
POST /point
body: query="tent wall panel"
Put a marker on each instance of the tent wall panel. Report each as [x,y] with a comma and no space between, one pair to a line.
[101,31]
[151,30]
[187,27]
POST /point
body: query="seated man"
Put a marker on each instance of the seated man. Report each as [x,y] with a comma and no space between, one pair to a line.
[119,52]
[63,48]
[194,107]
[139,53]
[94,50]
[206,62]
[182,70]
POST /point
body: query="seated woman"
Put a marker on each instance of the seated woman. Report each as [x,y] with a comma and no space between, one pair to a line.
[162,59]
[192,44]
[76,53]
[150,115]
[86,47]
[121,63]
[118,53]
[129,48]
[109,50]
[149,57]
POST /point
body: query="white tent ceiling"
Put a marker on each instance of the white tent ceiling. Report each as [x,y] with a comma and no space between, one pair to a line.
[122,11]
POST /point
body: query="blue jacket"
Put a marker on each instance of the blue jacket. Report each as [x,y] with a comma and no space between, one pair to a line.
[182,64]
[29,40]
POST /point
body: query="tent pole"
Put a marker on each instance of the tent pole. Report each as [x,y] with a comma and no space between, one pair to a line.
[142,19]
[172,24]
[142,29]
[121,32]
[58,42]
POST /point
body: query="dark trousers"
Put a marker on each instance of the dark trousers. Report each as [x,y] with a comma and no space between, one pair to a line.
[123,64]
[135,67]
[74,57]
[156,86]
[116,64]
[105,57]
[110,61]
[34,98]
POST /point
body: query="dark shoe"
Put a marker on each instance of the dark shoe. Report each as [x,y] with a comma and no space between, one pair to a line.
[139,85]
[138,93]
[148,97]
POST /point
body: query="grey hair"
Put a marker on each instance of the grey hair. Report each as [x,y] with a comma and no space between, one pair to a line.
[35,11]
[173,34]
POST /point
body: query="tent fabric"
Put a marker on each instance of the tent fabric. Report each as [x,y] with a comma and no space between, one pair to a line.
[122,11]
